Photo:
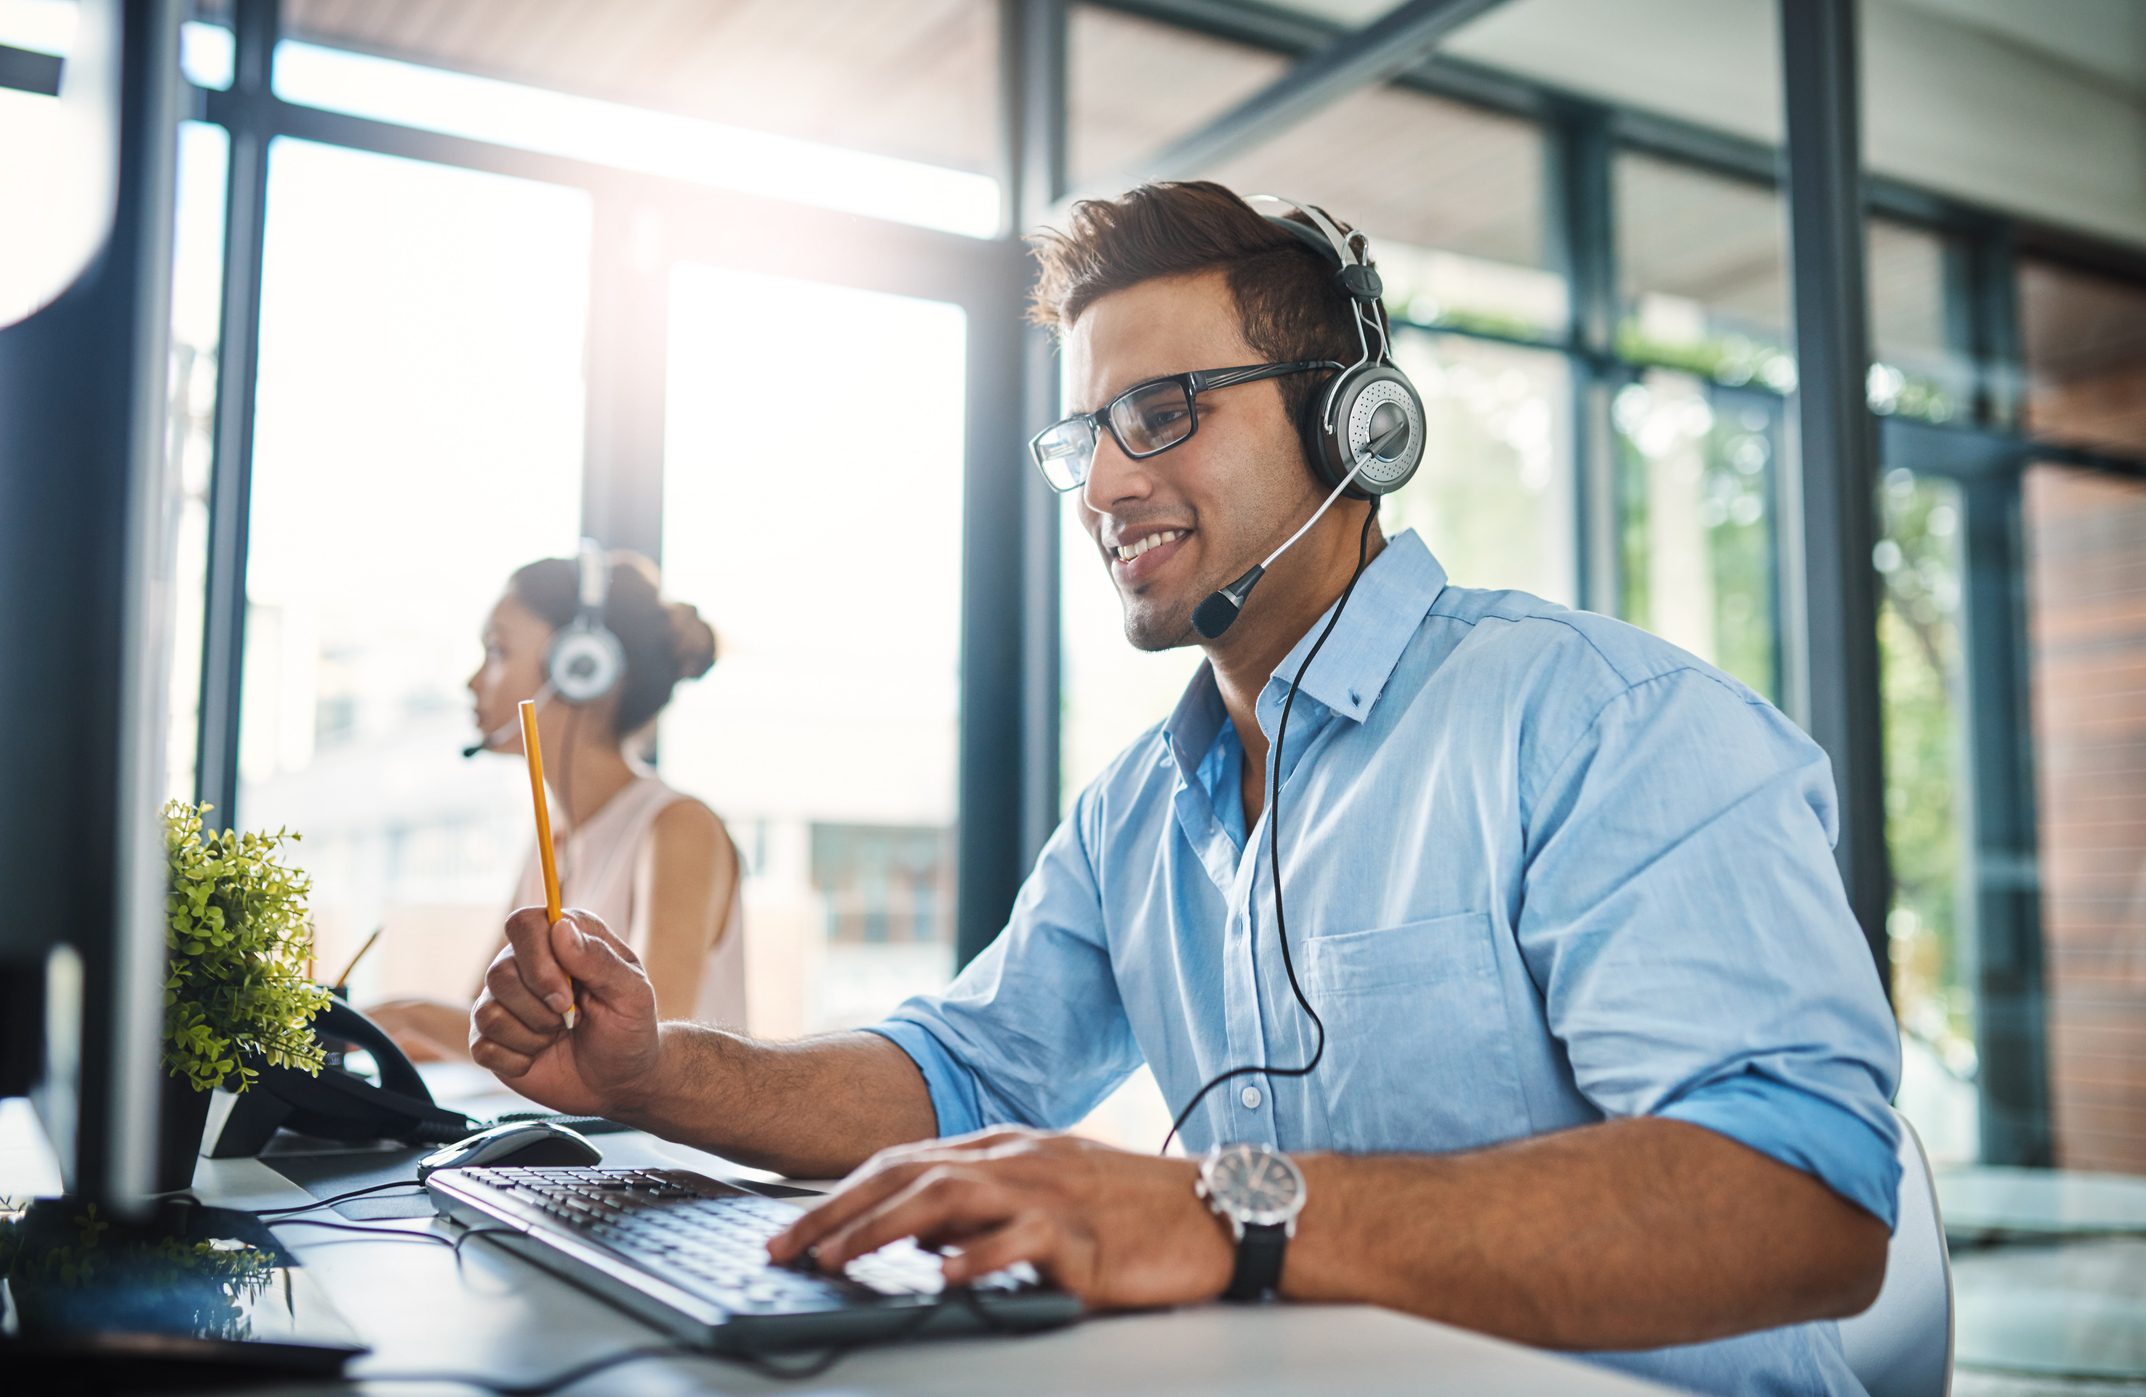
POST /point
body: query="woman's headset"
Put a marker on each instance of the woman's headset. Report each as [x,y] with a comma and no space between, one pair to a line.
[585,660]
[1370,415]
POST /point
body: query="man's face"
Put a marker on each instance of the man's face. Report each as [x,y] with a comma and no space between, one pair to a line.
[1231,493]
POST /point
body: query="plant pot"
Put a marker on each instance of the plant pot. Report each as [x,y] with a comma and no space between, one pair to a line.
[182,1116]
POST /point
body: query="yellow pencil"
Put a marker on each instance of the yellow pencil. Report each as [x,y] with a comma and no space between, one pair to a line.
[535,753]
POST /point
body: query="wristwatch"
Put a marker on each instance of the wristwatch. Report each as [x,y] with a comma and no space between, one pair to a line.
[1259,1193]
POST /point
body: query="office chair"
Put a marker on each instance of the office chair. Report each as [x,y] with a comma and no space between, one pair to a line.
[1902,1345]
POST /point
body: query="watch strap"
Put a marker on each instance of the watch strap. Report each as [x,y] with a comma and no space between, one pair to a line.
[1259,1262]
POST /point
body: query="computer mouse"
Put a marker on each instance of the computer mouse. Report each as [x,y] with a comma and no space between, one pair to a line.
[517,1144]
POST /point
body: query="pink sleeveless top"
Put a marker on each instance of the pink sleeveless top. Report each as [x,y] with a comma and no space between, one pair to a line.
[600,868]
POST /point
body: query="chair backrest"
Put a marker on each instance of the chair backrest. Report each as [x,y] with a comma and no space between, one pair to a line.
[1902,1345]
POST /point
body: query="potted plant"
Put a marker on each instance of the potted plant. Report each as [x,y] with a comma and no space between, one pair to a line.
[238,991]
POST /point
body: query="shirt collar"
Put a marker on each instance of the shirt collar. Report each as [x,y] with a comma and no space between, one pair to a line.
[1390,601]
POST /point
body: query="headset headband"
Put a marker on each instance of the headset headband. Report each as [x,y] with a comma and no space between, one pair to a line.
[1351,253]
[595,587]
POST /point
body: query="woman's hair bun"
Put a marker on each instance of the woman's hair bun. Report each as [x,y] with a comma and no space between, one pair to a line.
[692,640]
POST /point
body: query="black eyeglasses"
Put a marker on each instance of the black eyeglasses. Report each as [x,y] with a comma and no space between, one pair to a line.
[1145,420]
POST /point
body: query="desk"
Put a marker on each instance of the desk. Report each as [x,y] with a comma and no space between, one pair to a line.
[505,1318]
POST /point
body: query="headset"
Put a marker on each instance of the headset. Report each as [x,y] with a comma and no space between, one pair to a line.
[1364,437]
[585,660]
[1364,434]
[1366,429]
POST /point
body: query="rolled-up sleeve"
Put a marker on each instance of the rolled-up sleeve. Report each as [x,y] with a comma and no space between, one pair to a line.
[1684,918]
[1032,1032]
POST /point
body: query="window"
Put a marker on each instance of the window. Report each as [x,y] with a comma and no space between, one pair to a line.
[196,321]
[418,436]
[1702,272]
[1134,85]
[1921,369]
[1459,242]
[1698,562]
[1493,498]
[2085,341]
[39,256]
[2086,609]
[1930,925]
[821,536]
[764,99]
[915,81]
[1459,239]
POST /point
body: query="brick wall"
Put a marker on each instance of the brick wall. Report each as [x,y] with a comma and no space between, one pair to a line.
[2086,539]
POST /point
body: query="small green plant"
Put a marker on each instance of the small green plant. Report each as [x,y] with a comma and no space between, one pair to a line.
[239,991]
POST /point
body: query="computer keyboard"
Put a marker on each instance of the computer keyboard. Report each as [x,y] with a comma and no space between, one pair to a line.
[689,1254]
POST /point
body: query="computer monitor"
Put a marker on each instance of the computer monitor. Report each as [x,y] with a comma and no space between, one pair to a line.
[85,602]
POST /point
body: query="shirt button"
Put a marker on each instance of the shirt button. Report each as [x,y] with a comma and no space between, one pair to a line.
[1250,1097]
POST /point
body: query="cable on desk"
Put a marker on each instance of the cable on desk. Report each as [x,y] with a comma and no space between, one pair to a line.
[354,1227]
[265,1213]
[470,1232]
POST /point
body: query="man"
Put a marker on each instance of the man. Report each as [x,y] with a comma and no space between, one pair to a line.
[1605,1062]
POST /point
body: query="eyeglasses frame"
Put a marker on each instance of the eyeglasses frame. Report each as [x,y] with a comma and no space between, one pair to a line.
[1194,383]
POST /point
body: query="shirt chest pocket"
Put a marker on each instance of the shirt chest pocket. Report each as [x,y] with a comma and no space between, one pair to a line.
[1419,1055]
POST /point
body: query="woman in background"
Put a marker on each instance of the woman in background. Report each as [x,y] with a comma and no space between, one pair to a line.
[649,860]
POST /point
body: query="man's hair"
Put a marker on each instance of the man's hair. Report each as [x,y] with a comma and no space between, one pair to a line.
[1288,296]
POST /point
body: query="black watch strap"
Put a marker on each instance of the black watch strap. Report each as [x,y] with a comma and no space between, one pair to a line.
[1259,1262]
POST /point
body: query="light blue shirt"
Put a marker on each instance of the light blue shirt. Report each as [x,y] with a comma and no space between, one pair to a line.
[1540,869]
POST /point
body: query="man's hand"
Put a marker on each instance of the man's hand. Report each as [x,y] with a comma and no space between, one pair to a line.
[607,1062]
[1119,1230]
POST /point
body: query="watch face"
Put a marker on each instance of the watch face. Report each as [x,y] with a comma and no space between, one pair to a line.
[1257,1185]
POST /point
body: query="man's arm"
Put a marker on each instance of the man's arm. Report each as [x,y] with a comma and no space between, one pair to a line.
[1628,1234]
[1031,1032]
[812,1109]
[1625,1235]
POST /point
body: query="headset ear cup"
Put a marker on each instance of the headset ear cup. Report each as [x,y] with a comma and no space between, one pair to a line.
[1376,413]
[584,663]
[1320,451]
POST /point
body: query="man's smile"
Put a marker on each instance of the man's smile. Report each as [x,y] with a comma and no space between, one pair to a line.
[1136,557]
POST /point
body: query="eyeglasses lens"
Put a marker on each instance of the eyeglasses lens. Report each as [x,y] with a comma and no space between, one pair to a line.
[1064,452]
[1153,418]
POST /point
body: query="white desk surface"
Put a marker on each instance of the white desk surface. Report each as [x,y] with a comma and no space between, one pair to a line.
[506,1319]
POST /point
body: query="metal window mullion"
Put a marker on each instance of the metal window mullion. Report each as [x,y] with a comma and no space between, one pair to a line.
[993,748]
[1580,231]
[1347,63]
[2003,896]
[1832,650]
[230,494]
[1035,81]
[1998,343]
[1008,726]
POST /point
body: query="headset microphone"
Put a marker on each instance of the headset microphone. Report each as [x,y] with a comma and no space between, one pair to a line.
[1221,609]
[543,696]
